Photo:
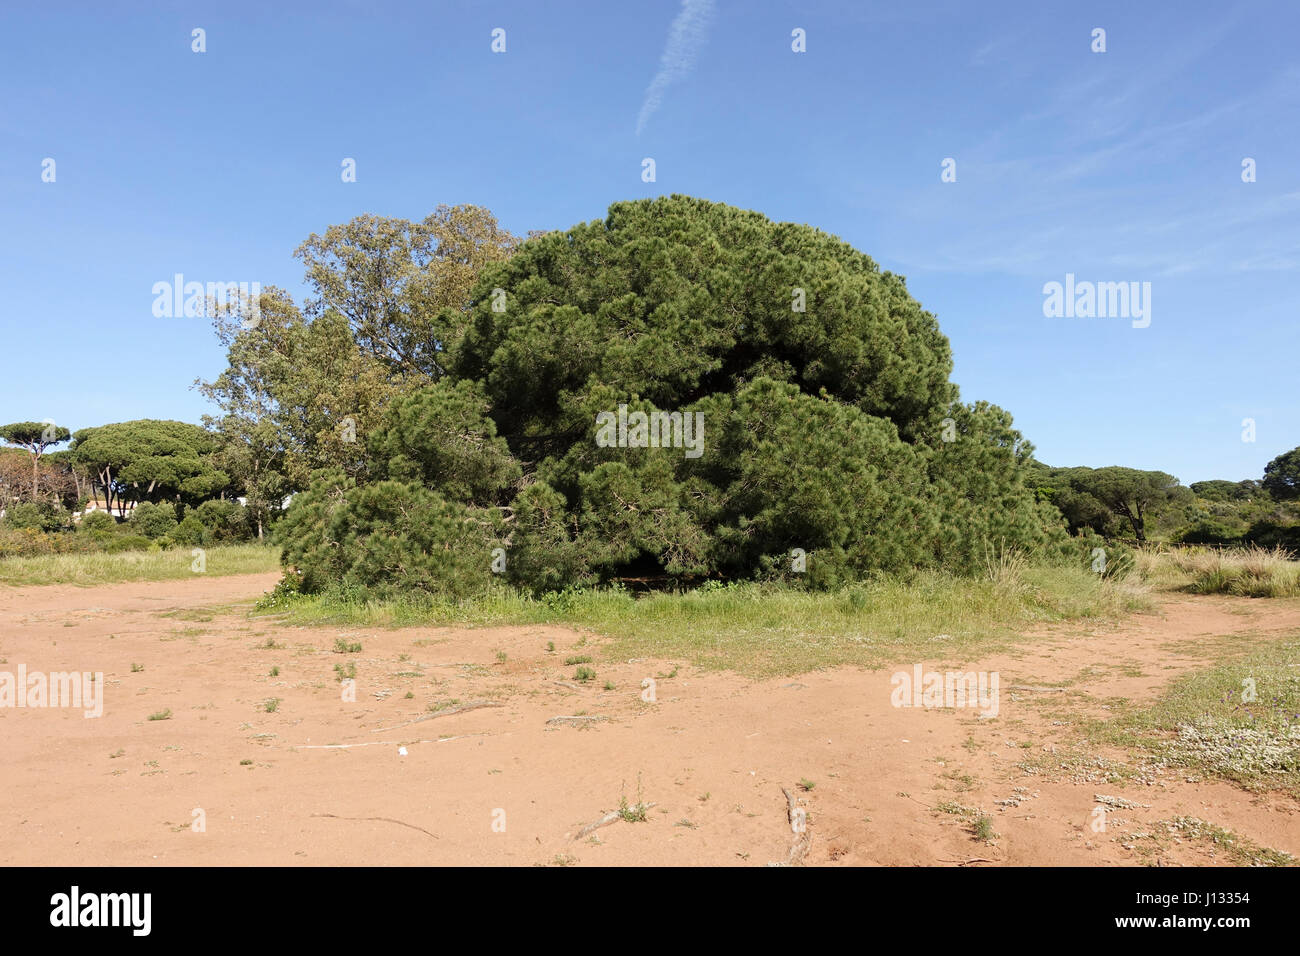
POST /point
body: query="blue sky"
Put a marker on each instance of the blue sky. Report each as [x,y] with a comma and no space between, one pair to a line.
[1123,166]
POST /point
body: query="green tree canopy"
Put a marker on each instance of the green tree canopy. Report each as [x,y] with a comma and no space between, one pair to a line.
[798,397]
[1282,476]
[151,460]
[1217,489]
[1128,493]
[35,437]
[403,286]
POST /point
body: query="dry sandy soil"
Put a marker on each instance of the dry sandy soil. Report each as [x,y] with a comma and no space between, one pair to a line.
[321,781]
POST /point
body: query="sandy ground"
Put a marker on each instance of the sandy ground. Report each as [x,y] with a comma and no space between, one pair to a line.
[324,781]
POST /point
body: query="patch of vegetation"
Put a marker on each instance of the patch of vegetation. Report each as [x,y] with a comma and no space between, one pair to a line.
[770,629]
[112,568]
[1239,720]
[1240,850]
[633,813]
[1246,572]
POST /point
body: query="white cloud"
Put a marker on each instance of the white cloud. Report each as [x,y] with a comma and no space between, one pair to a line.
[685,37]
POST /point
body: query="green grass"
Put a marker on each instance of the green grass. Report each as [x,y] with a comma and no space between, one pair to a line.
[767,630]
[101,568]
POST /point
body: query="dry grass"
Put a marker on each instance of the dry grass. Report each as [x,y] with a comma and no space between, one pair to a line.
[1245,572]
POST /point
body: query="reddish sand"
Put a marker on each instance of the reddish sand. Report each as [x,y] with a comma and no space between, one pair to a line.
[321,781]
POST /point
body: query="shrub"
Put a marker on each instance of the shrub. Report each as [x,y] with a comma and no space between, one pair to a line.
[24,542]
[38,516]
[224,519]
[389,537]
[127,542]
[189,532]
[151,520]
[97,523]
[1207,531]
[1271,534]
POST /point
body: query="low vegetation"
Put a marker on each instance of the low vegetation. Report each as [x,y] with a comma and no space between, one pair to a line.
[107,568]
[1246,572]
[766,629]
[1239,720]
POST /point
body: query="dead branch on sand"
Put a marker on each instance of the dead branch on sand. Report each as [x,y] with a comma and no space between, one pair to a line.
[445,712]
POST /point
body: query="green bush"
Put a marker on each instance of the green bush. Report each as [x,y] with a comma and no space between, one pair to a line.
[37,516]
[1272,534]
[1207,531]
[151,520]
[24,542]
[1111,559]
[189,532]
[389,537]
[224,519]
[97,524]
[127,542]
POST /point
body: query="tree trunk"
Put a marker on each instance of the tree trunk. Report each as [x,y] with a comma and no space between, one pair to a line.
[1139,528]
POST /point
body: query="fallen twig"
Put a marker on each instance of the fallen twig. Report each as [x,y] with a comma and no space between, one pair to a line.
[445,712]
[335,816]
[383,743]
[605,821]
[576,721]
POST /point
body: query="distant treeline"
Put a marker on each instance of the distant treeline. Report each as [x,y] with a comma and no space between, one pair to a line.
[1127,504]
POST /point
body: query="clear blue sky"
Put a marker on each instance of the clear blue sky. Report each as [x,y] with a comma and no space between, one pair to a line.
[1115,166]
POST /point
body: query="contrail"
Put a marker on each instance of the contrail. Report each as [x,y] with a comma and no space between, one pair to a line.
[685,37]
